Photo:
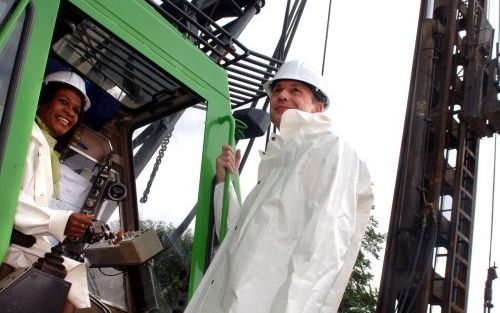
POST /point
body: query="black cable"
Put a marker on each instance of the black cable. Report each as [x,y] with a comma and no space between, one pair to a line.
[280,47]
[407,135]
[406,304]
[326,37]
[295,23]
[101,306]
[428,117]
[401,178]
[246,154]
[290,24]
[110,275]
[411,275]
[493,198]
[412,272]
[428,255]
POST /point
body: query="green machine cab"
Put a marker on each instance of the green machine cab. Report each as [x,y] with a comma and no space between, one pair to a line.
[151,89]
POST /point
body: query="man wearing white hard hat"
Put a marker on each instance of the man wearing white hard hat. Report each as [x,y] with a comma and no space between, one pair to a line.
[62,103]
[292,245]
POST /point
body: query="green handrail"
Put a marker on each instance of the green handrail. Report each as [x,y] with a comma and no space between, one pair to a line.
[227,180]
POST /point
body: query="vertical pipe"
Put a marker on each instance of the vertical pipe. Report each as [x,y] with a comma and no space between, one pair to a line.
[429,9]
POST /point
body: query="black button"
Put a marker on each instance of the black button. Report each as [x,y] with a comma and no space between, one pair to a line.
[273,138]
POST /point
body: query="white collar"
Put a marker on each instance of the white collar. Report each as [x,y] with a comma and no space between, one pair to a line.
[38,134]
[294,120]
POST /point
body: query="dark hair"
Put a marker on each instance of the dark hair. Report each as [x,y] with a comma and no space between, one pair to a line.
[318,94]
[47,94]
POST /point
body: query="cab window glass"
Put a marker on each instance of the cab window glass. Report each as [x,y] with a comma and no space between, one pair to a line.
[169,181]
[7,57]
[5,7]
[87,173]
[114,66]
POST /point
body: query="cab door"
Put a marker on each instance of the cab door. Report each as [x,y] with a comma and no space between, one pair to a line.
[26,28]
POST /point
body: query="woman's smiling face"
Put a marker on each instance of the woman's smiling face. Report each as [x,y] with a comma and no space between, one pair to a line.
[61,113]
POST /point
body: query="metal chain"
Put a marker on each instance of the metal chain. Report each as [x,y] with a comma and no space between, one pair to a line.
[160,155]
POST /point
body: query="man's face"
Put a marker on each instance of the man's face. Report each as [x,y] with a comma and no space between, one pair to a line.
[291,94]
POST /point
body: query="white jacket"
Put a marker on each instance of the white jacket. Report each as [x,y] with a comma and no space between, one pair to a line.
[34,217]
[292,246]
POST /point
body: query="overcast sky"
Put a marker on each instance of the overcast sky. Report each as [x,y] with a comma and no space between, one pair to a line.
[368,64]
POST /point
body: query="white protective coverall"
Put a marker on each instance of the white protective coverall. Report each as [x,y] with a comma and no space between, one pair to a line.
[34,217]
[292,246]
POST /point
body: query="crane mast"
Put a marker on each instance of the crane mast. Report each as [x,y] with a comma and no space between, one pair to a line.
[452,103]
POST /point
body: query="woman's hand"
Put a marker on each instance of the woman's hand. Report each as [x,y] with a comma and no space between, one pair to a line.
[227,160]
[78,224]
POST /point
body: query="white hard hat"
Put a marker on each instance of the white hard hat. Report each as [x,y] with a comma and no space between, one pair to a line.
[303,72]
[72,79]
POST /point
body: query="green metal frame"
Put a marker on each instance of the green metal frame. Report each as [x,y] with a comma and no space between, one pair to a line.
[25,98]
[140,26]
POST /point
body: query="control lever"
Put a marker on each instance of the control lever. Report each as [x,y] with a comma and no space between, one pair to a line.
[73,248]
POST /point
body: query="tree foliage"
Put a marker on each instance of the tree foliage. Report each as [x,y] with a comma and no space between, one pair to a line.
[359,296]
[172,265]
[172,269]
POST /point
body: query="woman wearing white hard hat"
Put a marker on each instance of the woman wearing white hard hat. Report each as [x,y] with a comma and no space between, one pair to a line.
[62,102]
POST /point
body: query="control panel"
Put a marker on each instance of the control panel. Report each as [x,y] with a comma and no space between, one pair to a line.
[129,248]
